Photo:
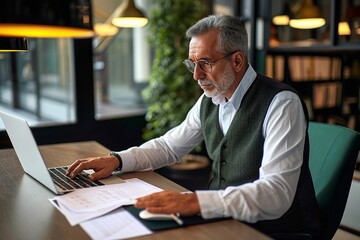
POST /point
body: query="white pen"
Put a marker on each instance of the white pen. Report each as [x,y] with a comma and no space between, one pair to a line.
[177,219]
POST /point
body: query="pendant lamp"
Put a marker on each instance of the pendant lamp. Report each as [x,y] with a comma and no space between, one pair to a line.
[129,16]
[8,44]
[344,28]
[46,18]
[308,16]
[283,18]
[105,29]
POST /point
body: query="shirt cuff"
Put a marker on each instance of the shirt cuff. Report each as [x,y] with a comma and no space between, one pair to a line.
[210,204]
[128,162]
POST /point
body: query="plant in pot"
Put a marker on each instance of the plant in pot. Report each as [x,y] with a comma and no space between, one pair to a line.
[171,90]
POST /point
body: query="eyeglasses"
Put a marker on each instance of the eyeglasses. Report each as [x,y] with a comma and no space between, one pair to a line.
[204,65]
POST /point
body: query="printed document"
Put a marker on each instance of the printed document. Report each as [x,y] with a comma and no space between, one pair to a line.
[84,204]
[119,224]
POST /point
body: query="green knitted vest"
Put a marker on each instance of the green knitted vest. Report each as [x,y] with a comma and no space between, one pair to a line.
[236,157]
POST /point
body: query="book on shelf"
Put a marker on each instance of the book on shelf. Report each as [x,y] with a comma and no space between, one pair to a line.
[304,68]
[324,71]
[275,67]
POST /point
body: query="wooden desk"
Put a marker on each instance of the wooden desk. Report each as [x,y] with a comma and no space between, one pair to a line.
[26,213]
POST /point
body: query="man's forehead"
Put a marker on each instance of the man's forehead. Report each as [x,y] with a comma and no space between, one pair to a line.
[204,43]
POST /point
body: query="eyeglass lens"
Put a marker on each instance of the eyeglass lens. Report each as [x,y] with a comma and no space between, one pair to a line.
[204,65]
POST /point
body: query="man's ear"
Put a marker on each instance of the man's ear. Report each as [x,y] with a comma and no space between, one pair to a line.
[238,61]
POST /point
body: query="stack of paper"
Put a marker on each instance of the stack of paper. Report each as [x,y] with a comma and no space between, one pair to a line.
[86,206]
[119,224]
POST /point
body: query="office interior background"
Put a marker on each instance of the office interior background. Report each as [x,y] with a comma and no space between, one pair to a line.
[91,88]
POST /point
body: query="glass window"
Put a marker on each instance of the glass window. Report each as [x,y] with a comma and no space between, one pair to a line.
[6,96]
[121,64]
[41,85]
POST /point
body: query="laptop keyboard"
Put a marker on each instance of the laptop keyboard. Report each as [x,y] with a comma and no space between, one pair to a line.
[82,180]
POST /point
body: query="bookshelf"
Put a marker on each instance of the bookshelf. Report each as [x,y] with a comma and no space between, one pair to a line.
[322,64]
[327,78]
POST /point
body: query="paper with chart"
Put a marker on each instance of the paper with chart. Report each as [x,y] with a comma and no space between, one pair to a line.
[84,204]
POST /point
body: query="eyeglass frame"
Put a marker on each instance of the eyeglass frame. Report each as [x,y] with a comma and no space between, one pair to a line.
[190,65]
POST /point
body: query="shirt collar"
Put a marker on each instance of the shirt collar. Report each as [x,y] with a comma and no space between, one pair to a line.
[240,91]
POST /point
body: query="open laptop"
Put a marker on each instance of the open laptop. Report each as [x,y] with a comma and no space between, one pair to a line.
[33,163]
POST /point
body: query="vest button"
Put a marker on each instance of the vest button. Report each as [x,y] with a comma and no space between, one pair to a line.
[223,163]
[222,180]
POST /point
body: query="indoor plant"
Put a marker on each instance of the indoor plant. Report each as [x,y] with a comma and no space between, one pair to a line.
[171,91]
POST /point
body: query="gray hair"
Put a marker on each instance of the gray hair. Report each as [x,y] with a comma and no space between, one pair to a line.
[232,32]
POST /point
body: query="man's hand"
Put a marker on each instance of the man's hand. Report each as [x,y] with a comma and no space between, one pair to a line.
[169,202]
[103,166]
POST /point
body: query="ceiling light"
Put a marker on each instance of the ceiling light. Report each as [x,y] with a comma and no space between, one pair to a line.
[46,19]
[8,44]
[129,16]
[308,16]
[344,28]
[105,30]
[281,20]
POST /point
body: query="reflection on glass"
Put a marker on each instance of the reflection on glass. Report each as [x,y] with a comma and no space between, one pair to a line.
[27,79]
[40,87]
[117,92]
[287,17]
[348,23]
[6,97]
[350,14]
[121,64]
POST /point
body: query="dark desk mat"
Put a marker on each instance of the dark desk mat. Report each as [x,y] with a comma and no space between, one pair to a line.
[154,225]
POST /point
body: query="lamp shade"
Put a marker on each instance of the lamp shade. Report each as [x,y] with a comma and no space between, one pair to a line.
[308,16]
[344,28]
[282,18]
[129,16]
[46,18]
[8,44]
[104,29]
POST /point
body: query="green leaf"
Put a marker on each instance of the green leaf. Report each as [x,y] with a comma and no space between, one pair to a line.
[171,91]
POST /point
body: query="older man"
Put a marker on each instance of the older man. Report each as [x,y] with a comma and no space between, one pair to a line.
[255,132]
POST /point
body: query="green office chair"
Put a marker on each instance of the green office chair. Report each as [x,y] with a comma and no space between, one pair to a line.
[333,154]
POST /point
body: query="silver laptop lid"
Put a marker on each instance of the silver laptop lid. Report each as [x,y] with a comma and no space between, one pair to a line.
[27,150]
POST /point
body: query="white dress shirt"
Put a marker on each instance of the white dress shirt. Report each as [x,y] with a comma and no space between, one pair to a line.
[267,198]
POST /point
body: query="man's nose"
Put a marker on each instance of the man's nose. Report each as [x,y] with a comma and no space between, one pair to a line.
[198,73]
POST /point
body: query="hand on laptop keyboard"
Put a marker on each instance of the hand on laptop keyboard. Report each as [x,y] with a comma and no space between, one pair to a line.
[103,166]
[82,180]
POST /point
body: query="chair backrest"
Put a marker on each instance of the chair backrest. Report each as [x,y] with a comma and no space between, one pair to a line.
[333,153]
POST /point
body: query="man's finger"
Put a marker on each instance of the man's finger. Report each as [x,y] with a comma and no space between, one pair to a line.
[73,166]
[99,175]
[80,167]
